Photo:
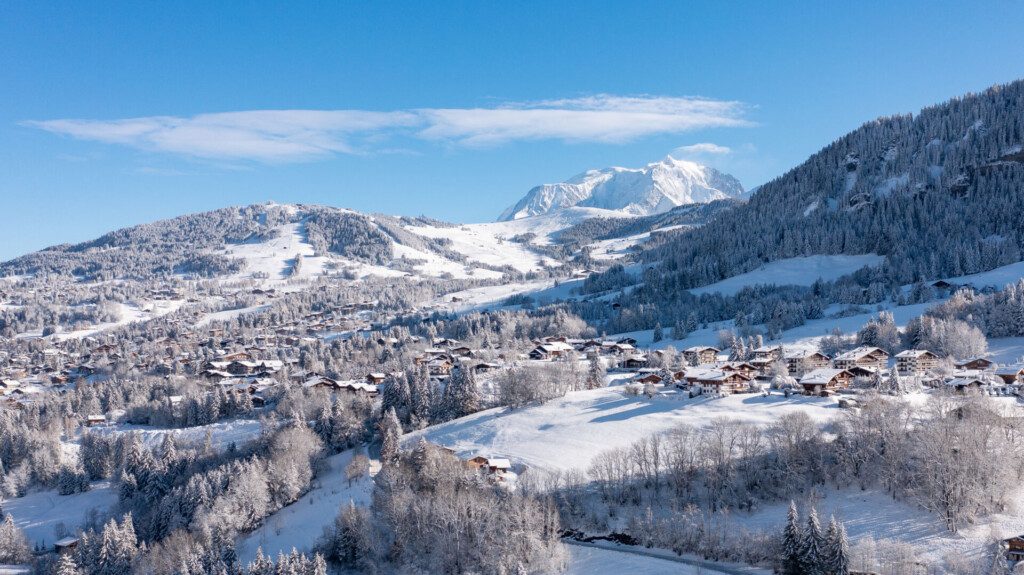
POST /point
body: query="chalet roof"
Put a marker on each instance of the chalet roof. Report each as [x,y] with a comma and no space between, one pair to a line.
[700,348]
[912,353]
[861,352]
[499,462]
[1009,369]
[821,376]
[802,354]
[964,381]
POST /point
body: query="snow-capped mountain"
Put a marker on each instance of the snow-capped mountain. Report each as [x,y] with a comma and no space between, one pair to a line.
[654,188]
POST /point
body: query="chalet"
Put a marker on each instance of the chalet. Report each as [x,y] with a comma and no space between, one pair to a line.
[723,382]
[65,545]
[477,462]
[359,388]
[864,356]
[1011,374]
[462,351]
[638,361]
[700,355]
[974,363]
[1014,548]
[320,382]
[627,341]
[375,378]
[237,356]
[915,361]
[485,366]
[801,361]
[440,367]
[964,384]
[550,350]
[652,378]
[94,420]
[825,379]
[768,352]
[747,369]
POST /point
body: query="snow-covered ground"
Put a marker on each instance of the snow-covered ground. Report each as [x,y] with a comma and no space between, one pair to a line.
[793,271]
[222,433]
[39,513]
[997,278]
[877,514]
[568,432]
[634,561]
[301,523]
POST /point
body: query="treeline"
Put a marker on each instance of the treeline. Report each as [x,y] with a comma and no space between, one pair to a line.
[957,457]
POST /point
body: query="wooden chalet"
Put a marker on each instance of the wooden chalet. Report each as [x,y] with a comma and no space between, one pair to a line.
[974,363]
[864,356]
[912,362]
[723,382]
[1010,374]
[701,355]
[801,361]
[825,380]
[1014,548]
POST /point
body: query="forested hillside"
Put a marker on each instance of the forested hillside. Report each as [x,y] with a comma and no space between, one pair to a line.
[938,193]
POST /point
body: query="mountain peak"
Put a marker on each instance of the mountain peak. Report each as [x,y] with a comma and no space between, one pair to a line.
[654,188]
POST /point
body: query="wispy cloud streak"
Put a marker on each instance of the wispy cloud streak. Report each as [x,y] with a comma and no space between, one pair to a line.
[274,136]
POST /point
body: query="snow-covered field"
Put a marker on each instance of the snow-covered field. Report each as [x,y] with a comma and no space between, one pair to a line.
[301,523]
[793,271]
[39,513]
[568,432]
[223,433]
[634,561]
[877,514]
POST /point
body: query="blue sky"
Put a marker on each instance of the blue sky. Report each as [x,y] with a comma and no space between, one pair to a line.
[120,113]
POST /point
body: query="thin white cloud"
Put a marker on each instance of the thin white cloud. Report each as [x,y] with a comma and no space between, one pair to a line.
[300,135]
[701,149]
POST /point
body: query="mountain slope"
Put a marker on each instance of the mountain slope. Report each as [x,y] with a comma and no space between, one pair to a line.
[939,194]
[655,188]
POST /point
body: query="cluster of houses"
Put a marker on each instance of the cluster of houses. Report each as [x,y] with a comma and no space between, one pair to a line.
[815,373]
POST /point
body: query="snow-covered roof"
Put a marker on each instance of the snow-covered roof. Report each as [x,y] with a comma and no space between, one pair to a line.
[821,376]
[860,352]
[911,353]
[700,348]
[801,354]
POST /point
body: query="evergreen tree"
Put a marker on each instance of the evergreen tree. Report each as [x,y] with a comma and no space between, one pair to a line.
[792,542]
[837,549]
[812,546]
[595,372]
[67,566]
[390,432]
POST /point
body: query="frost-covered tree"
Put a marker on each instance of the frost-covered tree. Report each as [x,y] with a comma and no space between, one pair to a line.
[390,431]
[792,542]
[837,549]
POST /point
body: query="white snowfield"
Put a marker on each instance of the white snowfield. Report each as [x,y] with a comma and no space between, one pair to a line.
[39,512]
[568,432]
[222,433]
[616,560]
[300,524]
[877,514]
[802,271]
